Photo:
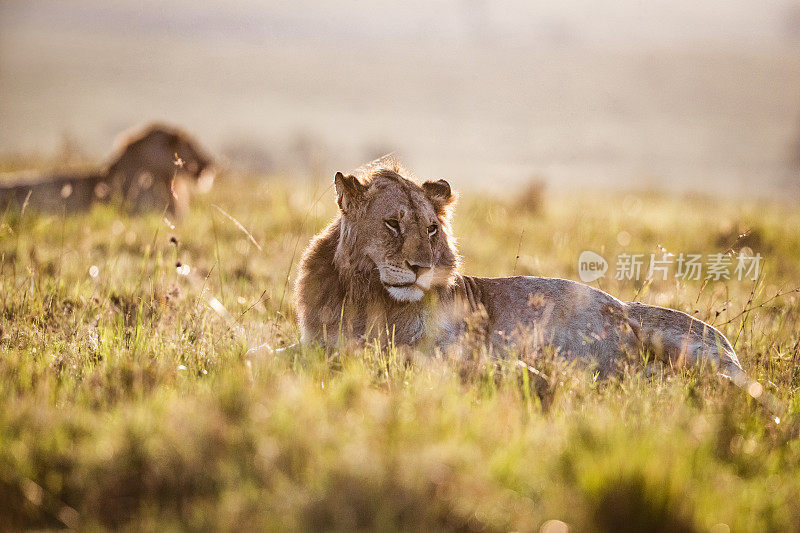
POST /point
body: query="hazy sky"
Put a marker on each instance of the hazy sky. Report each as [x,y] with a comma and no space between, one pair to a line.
[580,22]
[680,92]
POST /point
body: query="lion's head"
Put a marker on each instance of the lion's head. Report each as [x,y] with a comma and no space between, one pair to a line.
[157,164]
[154,149]
[398,229]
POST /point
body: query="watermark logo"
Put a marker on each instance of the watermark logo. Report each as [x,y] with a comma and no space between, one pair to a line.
[713,267]
[591,266]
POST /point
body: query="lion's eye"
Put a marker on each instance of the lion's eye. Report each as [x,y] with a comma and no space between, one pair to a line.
[393,225]
[432,229]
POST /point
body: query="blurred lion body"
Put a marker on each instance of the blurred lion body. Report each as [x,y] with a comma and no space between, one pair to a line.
[153,169]
[381,270]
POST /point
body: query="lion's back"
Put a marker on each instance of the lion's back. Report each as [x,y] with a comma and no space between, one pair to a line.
[71,192]
[576,319]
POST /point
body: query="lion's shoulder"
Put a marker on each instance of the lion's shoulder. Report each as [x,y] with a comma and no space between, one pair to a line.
[318,289]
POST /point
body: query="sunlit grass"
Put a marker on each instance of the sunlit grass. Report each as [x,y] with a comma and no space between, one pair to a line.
[129,401]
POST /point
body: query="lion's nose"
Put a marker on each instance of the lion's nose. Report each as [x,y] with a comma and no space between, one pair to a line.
[418,267]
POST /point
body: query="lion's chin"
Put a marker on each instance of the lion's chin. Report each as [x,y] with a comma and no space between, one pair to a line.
[405,293]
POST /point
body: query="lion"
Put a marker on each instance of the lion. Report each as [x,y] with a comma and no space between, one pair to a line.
[387,268]
[154,168]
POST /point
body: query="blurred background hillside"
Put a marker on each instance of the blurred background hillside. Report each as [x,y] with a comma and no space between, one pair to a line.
[673,95]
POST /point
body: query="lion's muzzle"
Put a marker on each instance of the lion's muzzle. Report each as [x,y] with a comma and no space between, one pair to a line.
[406,284]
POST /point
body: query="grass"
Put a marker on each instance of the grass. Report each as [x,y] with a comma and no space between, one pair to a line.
[129,402]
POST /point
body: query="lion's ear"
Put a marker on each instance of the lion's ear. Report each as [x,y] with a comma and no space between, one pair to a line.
[349,191]
[439,193]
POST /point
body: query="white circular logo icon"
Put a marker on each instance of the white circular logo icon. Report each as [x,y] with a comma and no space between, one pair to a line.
[591,266]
